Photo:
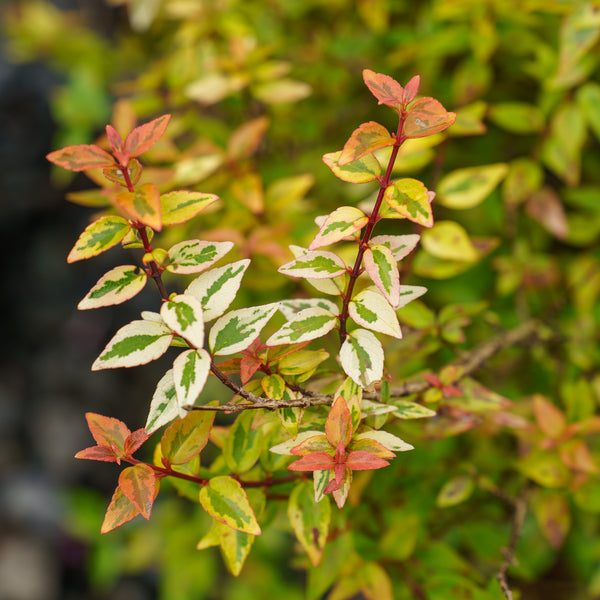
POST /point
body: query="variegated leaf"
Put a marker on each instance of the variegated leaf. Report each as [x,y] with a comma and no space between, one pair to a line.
[290,416]
[386,439]
[405,409]
[120,510]
[317,264]
[142,138]
[399,245]
[308,324]
[273,386]
[143,205]
[341,223]
[80,158]
[179,207]
[367,138]
[286,447]
[164,406]
[216,289]
[140,484]
[183,314]
[290,308]
[408,293]
[225,500]
[362,356]
[190,371]
[332,287]
[243,444]
[237,329]
[99,236]
[320,481]
[409,198]
[383,271]
[426,117]
[193,256]
[363,170]
[371,310]
[118,285]
[386,89]
[352,394]
[137,343]
[184,439]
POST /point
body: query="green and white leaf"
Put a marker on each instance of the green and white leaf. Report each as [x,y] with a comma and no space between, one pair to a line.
[99,236]
[399,245]
[308,324]
[193,256]
[164,406]
[235,545]
[190,371]
[290,308]
[371,310]
[386,439]
[332,287]
[149,315]
[179,207]
[341,223]
[363,170]
[408,293]
[224,499]
[216,289]
[412,410]
[290,416]
[320,481]
[285,448]
[137,343]
[310,520]
[237,329]
[370,409]
[183,314]
[116,286]
[381,267]
[317,264]
[362,356]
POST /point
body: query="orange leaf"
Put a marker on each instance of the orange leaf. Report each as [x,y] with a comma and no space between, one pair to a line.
[140,484]
[386,89]
[316,461]
[364,140]
[411,89]
[359,460]
[108,431]
[115,141]
[338,427]
[426,117]
[79,158]
[135,440]
[550,419]
[143,205]
[145,136]
[119,511]
[103,453]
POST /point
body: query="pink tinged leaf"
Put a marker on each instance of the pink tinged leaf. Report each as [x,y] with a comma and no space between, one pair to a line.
[366,139]
[115,141]
[450,391]
[102,453]
[80,158]
[145,136]
[135,440]
[315,443]
[120,510]
[426,117]
[550,419]
[338,427]
[107,431]
[316,461]
[359,460]
[115,173]
[341,495]
[545,207]
[248,366]
[341,223]
[336,483]
[140,484]
[383,271]
[143,205]
[386,89]
[411,89]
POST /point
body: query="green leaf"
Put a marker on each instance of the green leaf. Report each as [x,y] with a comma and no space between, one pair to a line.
[363,170]
[183,315]
[237,329]
[179,207]
[82,157]
[466,188]
[224,499]
[517,117]
[243,444]
[193,256]
[308,324]
[216,289]
[316,264]
[99,236]
[545,468]
[140,484]
[310,520]
[456,490]
[553,514]
[137,343]
[409,198]
[341,223]
[118,285]
[426,117]
[301,361]
[143,205]
[120,510]
[383,271]
[371,310]
[187,437]
[588,100]
[450,241]
[361,356]
[411,410]
[164,406]
[399,245]
[367,138]
[190,371]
